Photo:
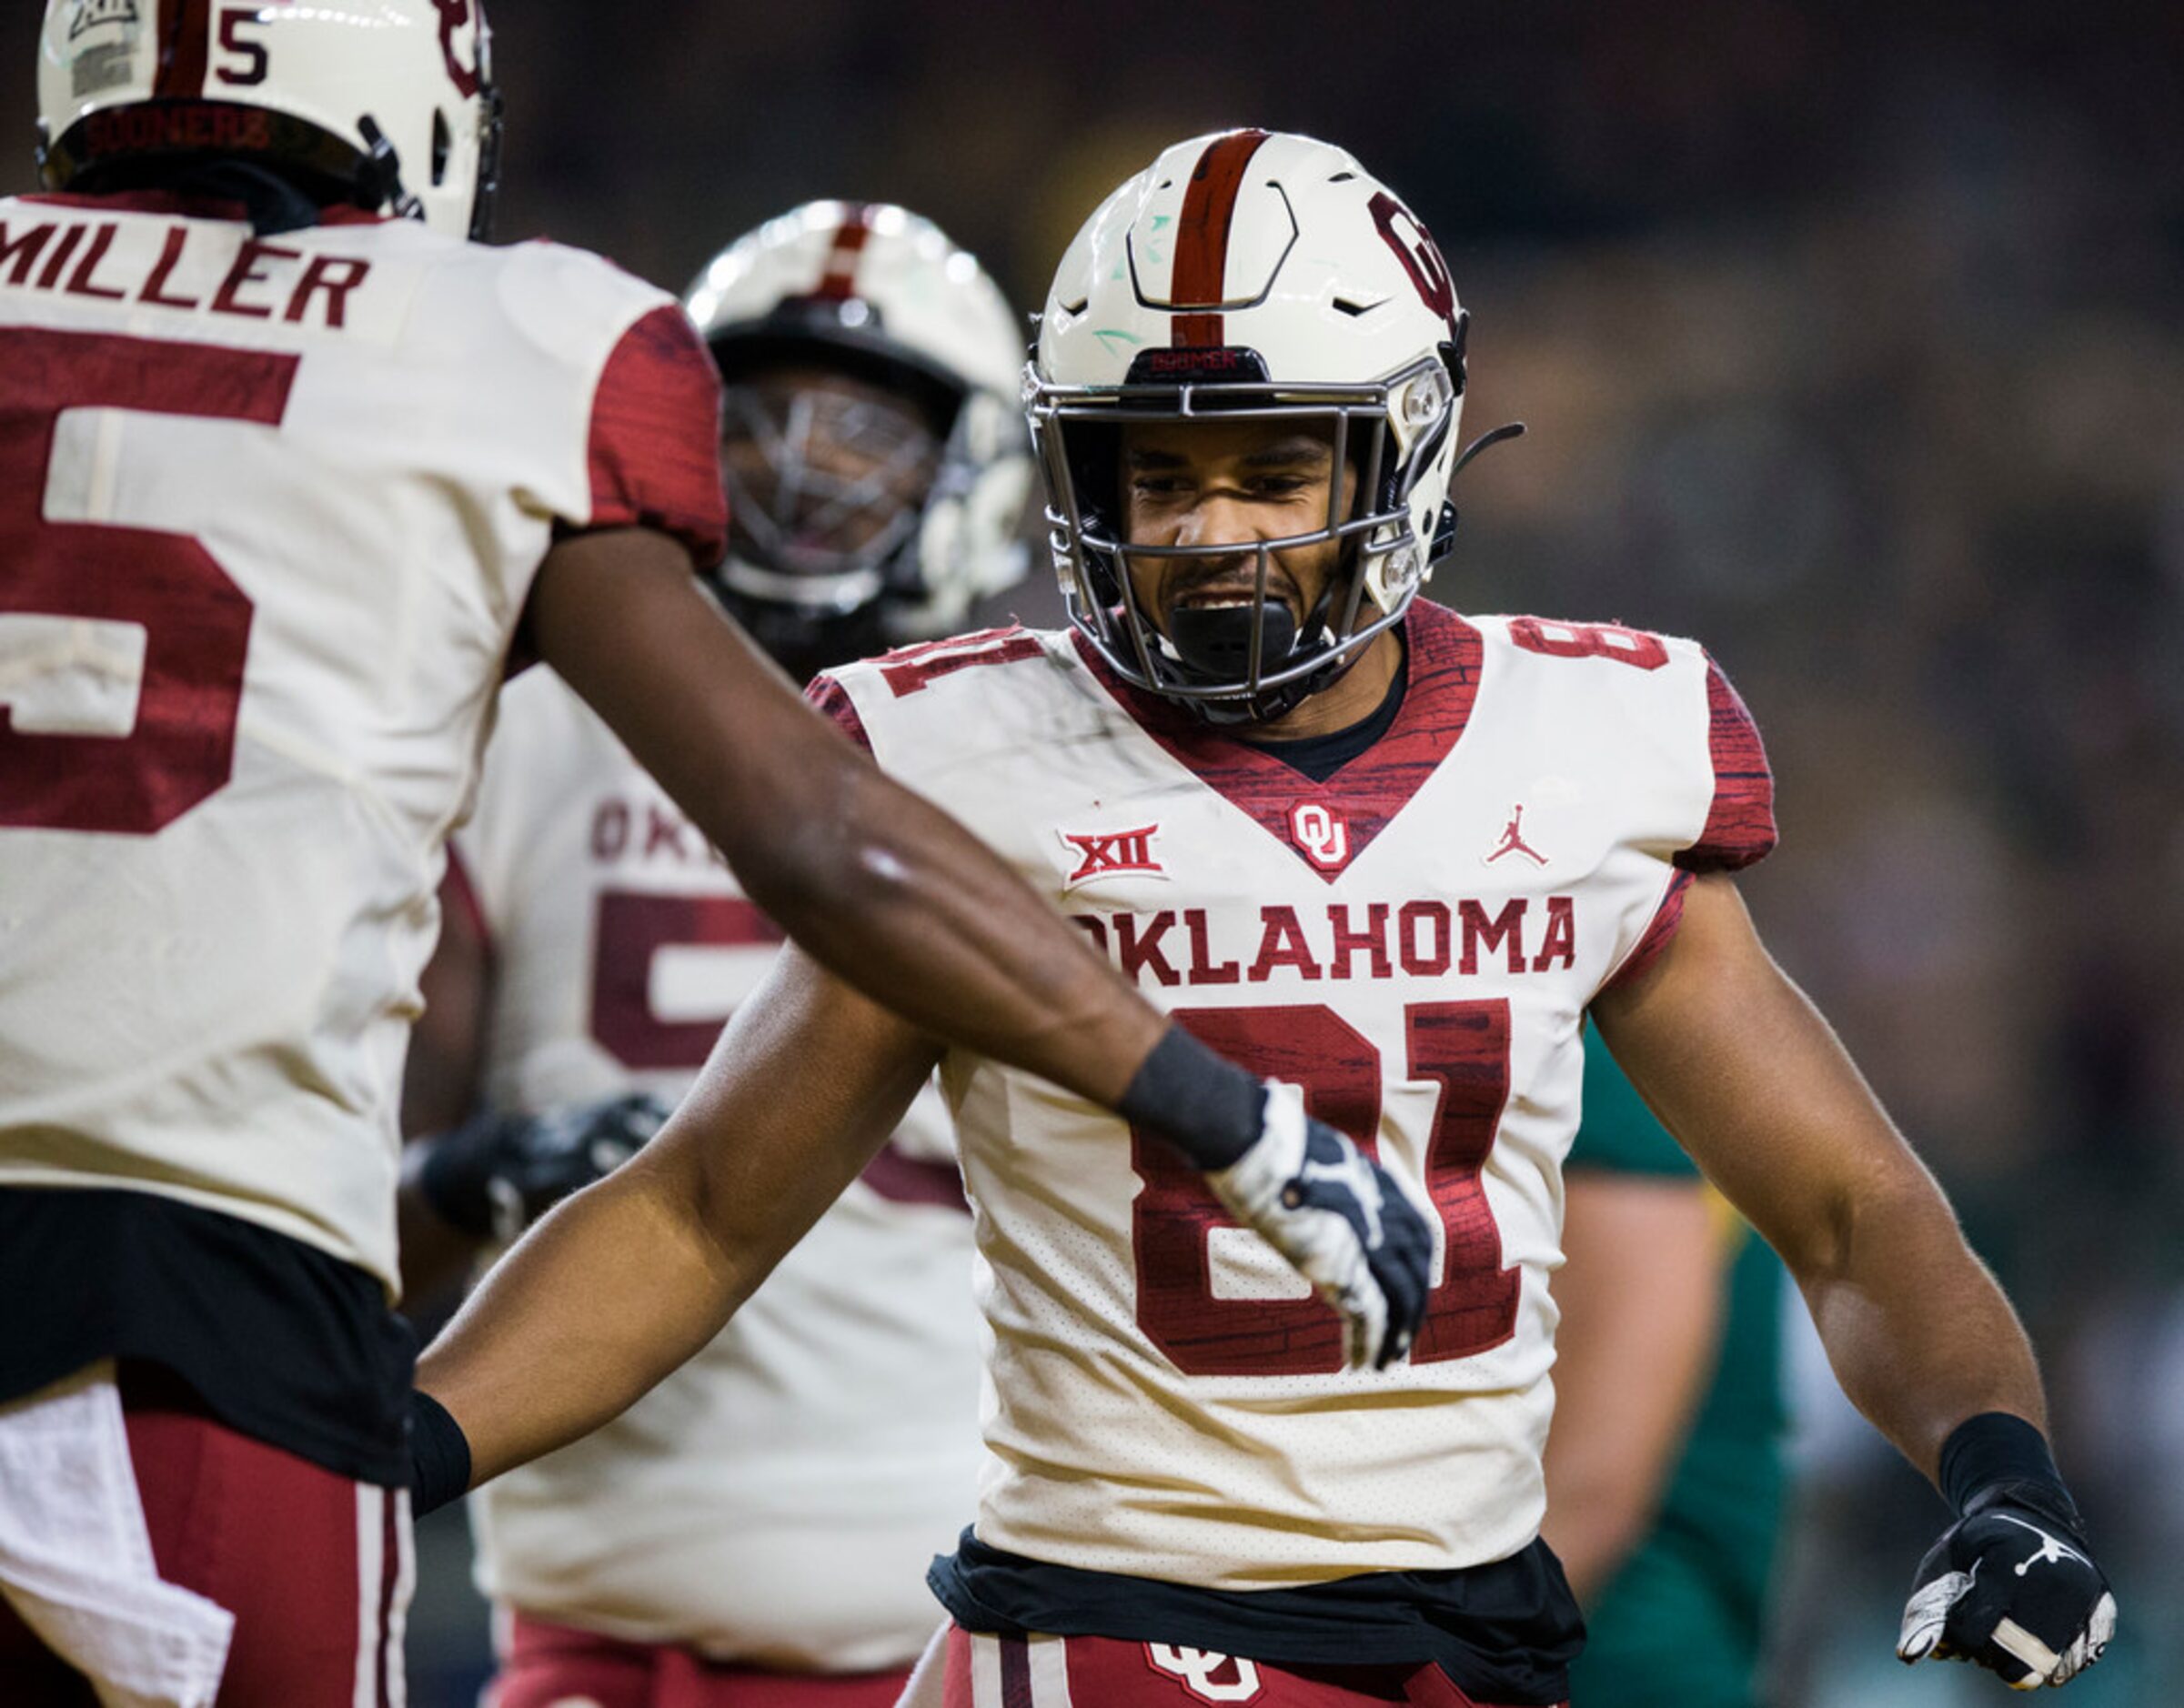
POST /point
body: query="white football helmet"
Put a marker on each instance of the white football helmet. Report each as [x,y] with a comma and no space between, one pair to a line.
[1260,273]
[390,103]
[923,529]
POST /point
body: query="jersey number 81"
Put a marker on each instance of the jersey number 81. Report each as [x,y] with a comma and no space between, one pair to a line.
[1462,1049]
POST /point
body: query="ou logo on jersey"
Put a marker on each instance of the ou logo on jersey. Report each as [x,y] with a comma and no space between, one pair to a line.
[1200,1670]
[1323,833]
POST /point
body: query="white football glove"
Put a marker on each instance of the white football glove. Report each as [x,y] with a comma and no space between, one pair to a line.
[1336,1215]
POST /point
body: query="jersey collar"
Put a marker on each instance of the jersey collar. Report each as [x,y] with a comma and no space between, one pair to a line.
[1327,825]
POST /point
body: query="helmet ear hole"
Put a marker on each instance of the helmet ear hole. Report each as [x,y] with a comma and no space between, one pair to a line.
[443,145]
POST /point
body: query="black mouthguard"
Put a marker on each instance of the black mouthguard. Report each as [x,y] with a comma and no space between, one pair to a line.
[1216,640]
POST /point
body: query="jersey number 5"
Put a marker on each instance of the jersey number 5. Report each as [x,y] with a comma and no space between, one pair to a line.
[194,621]
[1462,1049]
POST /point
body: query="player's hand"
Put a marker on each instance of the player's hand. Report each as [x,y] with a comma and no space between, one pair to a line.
[2012,1587]
[1336,1215]
[492,1177]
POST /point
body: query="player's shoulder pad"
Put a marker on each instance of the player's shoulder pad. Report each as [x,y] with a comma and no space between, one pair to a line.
[647,394]
[1641,676]
[568,304]
[933,680]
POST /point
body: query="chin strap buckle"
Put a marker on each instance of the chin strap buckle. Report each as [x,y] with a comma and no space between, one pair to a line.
[379,178]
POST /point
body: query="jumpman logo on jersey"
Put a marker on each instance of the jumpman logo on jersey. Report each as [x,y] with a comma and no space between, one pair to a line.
[2050,1550]
[1512,840]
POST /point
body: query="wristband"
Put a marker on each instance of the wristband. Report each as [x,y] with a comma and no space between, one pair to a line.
[439,1455]
[1997,1447]
[1207,1108]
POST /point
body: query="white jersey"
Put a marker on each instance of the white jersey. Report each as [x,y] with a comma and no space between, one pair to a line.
[776,1499]
[1415,942]
[270,511]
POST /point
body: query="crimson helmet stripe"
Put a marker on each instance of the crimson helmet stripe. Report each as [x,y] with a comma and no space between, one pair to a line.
[184,45]
[839,282]
[1202,235]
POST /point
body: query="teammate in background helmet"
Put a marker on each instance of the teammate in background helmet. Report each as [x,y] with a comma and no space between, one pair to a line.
[283,472]
[765,1516]
[863,329]
[1389,853]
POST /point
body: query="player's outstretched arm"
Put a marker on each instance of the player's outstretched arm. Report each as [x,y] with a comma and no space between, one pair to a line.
[440,1092]
[614,1288]
[878,885]
[1747,1075]
[894,897]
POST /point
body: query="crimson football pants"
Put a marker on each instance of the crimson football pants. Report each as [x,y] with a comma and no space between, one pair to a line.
[316,1568]
[545,1665]
[984,1671]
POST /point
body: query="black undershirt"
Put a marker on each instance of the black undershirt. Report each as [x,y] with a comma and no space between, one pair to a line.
[1506,1631]
[1320,756]
[281,1341]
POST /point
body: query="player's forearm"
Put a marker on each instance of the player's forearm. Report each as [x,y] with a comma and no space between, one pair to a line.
[1918,1334]
[1592,1524]
[603,1298]
[900,901]
[884,890]
[1749,1077]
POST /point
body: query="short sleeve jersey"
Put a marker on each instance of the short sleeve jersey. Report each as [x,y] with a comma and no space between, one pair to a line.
[842,1400]
[1414,941]
[271,511]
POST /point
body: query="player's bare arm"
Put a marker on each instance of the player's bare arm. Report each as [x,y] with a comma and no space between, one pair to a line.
[1640,1291]
[895,896]
[626,1280]
[878,885]
[1744,1071]
[439,1088]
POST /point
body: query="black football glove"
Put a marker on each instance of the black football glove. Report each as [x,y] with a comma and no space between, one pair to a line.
[2011,1586]
[494,1176]
[1337,1216]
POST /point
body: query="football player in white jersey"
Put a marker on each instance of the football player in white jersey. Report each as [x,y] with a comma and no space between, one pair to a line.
[286,475]
[1388,853]
[756,1530]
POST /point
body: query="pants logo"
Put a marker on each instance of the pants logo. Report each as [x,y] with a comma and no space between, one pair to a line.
[1201,1672]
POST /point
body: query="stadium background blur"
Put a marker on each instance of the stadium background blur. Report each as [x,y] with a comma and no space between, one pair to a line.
[1852,341]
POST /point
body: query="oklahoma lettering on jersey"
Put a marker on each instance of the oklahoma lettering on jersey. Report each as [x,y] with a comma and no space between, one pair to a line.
[1171,1398]
[776,1500]
[269,511]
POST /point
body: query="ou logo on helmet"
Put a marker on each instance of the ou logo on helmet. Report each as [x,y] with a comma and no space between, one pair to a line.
[1420,257]
[1323,833]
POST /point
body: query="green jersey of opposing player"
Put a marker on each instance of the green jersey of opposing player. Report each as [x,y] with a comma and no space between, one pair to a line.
[1680,1622]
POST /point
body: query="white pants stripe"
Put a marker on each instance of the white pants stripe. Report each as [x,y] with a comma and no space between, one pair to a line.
[398,1609]
[1050,1672]
[382,1609]
[371,1585]
[1045,1661]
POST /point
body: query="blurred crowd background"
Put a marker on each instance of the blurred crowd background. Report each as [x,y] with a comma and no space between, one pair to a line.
[1851,339]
